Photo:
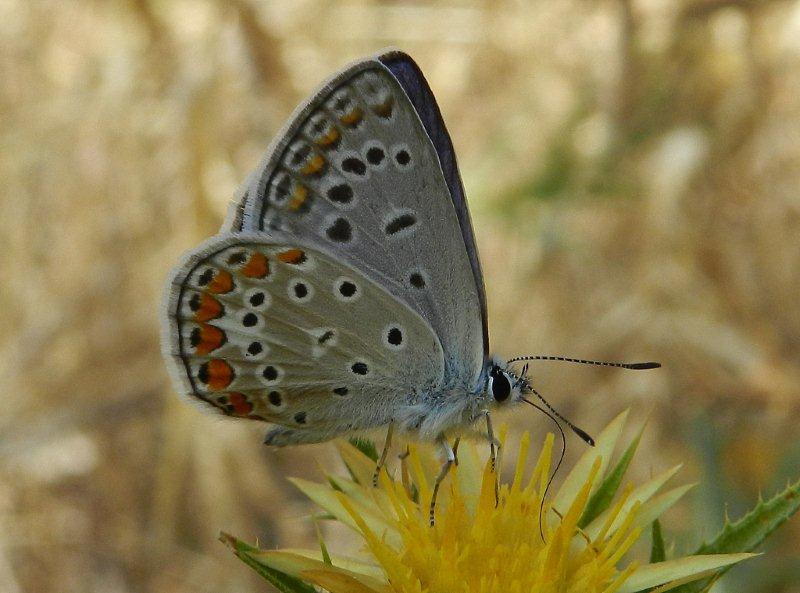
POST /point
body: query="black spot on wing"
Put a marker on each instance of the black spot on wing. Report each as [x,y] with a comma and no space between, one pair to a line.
[347,289]
[354,165]
[327,336]
[375,155]
[341,194]
[360,368]
[395,336]
[402,157]
[400,223]
[340,231]
[417,280]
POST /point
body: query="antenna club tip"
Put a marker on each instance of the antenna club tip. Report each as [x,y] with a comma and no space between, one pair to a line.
[584,435]
[643,366]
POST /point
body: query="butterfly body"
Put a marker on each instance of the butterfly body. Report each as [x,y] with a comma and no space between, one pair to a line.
[344,291]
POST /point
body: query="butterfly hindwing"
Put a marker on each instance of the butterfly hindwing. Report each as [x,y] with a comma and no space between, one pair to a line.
[365,171]
[267,328]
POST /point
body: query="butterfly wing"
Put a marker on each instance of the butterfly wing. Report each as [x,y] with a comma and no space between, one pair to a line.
[265,328]
[365,170]
[410,78]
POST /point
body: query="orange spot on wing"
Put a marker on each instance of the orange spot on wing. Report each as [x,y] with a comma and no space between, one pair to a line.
[208,308]
[208,339]
[221,283]
[384,109]
[256,267]
[329,139]
[217,374]
[352,118]
[314,165]
[292,256]
[298,197]
[241,407]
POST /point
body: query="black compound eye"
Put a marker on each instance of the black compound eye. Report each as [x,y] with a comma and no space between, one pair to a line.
[501,386]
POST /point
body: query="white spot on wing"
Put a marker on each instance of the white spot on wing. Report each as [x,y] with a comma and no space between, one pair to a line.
[323,338]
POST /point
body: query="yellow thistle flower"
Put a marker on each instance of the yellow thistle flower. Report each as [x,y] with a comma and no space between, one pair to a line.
[478,546]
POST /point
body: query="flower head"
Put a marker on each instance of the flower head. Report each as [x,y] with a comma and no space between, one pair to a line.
[575,542]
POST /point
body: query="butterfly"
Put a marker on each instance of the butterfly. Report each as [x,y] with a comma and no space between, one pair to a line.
[344,292]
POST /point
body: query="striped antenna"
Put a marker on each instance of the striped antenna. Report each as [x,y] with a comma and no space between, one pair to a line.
[636,366]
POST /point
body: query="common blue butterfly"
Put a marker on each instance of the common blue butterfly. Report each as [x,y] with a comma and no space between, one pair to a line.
[344,292]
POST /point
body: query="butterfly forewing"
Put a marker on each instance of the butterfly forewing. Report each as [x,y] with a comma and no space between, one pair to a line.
[277,331]
[357,175]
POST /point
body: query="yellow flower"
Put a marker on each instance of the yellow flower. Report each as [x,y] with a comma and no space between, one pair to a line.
[478,545]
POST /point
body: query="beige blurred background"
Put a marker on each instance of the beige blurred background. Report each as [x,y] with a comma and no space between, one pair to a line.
[633,170]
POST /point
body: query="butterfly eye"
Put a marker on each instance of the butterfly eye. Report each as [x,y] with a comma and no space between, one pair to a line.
[500,385]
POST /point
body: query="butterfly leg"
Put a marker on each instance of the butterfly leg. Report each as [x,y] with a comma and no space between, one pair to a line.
[382,460]
[409,487]
[450,458]
[495,449]
[455,450]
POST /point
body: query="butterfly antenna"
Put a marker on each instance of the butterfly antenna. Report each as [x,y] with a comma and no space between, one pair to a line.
[558,465]
[636,366]
[581,433]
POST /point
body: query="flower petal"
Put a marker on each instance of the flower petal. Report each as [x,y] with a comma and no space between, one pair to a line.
[304,567]
[689,567]
[336,582]
[604,448]
[654,508]
[604,494]
[361,466]
[469,474]
[351,564]
[327,498]
[281,580]
[641,495]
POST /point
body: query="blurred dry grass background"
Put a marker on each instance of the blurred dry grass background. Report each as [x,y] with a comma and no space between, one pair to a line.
[633,169]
